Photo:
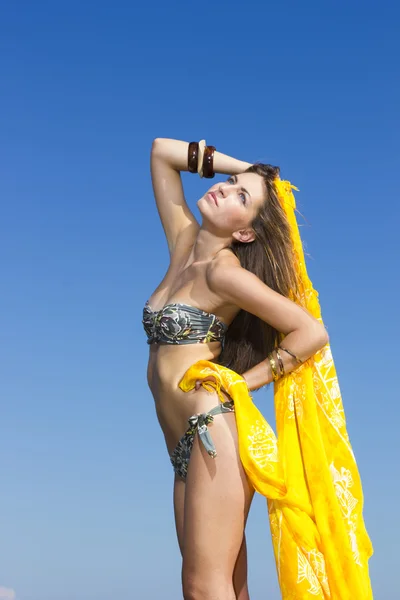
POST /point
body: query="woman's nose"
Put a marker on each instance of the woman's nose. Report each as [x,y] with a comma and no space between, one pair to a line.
[223,190]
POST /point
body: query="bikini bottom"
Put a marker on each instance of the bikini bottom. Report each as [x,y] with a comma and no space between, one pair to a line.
[181,455]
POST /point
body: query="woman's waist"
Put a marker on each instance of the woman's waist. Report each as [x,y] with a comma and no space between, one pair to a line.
[173,405]
[168,364]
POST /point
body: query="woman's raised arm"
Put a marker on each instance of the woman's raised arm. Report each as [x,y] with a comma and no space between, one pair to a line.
[168,158]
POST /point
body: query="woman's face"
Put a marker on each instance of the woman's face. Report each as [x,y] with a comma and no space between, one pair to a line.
[232,205]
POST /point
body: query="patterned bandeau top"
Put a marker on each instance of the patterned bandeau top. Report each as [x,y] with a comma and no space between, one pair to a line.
[178,323]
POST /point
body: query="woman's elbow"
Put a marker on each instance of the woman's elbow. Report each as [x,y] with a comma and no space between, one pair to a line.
[159,147]
[321,337]
[316,335]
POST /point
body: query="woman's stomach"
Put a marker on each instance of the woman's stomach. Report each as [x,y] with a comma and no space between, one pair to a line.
[169,362]
[166,367]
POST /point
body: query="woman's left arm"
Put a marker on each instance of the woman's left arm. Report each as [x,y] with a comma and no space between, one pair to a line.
[304,335]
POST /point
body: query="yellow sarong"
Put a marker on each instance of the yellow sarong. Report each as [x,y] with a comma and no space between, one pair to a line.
[307,472]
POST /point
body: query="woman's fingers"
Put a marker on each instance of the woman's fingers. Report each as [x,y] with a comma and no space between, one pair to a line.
[200,381]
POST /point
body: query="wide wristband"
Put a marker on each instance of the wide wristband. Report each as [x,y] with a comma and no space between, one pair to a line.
[193,156]
[208,162]
[274,370]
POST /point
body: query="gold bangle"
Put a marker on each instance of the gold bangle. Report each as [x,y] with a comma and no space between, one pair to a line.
[280,361]
[291,354]
[202,145]
[275,375]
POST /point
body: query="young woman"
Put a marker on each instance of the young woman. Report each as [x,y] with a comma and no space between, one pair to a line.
[224,301]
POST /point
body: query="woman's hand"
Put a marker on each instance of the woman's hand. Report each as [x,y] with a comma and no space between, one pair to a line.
[200,381]
[212,379]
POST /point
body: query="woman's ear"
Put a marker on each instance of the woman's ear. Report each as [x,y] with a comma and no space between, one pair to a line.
[244,235]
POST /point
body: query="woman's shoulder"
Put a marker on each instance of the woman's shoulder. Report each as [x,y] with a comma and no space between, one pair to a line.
[225,261]
[225,257]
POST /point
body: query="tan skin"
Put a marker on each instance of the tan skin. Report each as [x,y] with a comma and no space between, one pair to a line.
[211,507]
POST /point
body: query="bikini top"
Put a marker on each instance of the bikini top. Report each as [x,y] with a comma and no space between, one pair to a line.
[178,323]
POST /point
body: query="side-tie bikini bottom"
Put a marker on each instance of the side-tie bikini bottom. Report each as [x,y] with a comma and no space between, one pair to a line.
[181,455]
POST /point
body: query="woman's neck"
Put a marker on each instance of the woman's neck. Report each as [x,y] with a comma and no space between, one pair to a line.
[207,246]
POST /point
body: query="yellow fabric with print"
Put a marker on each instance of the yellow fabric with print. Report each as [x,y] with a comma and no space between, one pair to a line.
[308,473]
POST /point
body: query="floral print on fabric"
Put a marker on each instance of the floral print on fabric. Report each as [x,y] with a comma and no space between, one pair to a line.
[181,455]
[182,324]
[197,423]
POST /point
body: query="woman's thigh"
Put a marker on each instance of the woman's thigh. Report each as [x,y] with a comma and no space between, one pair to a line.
[216,504]
[240,571]
[179,509]
[201,401]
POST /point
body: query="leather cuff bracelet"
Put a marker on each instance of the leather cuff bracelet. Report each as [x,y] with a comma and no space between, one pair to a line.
[208,162]
[193,156]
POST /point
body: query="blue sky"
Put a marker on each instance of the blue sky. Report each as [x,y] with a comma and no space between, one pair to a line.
[86,501]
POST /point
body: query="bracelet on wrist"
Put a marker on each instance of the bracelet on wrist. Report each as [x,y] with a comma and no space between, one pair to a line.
[296,358]
[208,162]
[274,371]
[193,157]
[202,145]
[280,361]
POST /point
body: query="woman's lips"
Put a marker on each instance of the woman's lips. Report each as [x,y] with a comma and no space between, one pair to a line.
[214,197]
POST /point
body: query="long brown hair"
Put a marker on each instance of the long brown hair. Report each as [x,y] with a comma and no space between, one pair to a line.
[249,339]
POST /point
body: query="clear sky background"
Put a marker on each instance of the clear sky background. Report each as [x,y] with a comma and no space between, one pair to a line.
[86,494]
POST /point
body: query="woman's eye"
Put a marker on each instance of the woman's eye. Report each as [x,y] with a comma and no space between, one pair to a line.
[242,196]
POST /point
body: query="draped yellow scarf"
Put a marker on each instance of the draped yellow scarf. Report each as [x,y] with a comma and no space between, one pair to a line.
[308,473]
